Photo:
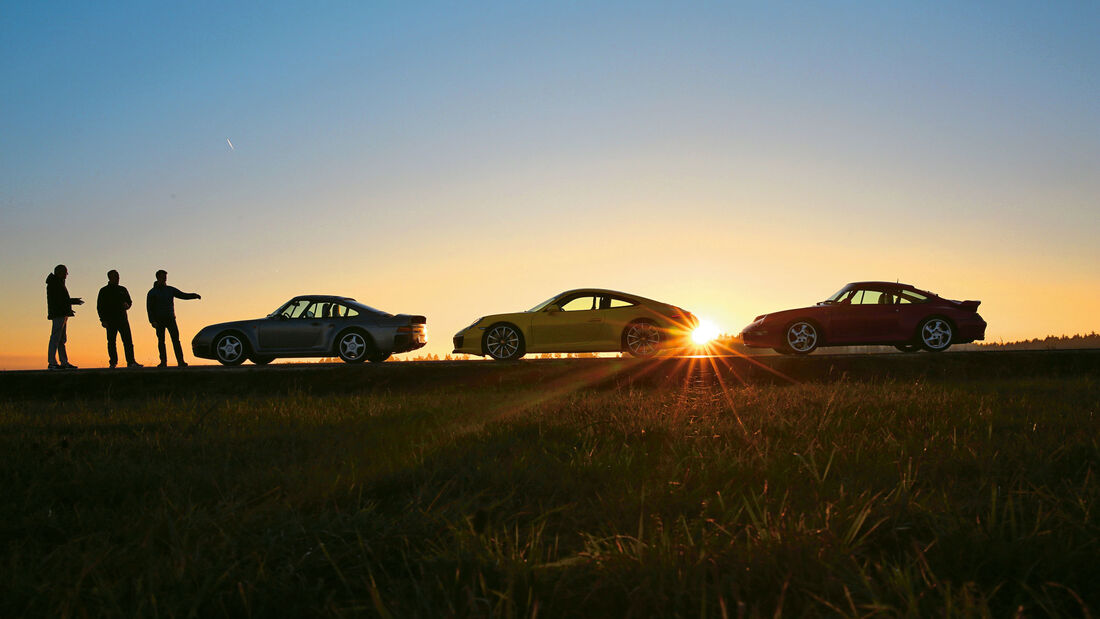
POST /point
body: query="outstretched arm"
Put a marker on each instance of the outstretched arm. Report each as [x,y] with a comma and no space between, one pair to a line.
[179,294]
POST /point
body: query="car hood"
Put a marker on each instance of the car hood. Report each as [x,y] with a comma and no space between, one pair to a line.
[790,313]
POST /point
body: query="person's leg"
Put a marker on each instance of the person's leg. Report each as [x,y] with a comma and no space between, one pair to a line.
[174,329]
[62,356]
[112,348]
[160,344]
[127,340]
[55,337]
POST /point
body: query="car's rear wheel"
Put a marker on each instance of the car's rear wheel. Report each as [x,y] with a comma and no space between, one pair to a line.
[642,339]
[936,334]
[907,347]
[353,347]
[230,349]
[377,357]
[801,337]
[261,359]
[504,342]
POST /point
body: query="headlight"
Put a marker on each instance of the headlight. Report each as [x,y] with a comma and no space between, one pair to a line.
[474,323]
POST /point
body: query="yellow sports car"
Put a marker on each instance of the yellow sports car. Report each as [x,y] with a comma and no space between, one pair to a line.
[585,320]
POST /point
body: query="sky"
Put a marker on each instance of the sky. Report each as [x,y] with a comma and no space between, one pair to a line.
[461,159]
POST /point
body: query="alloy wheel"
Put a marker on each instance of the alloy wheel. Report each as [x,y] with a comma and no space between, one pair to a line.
[936,334]
[352,347]
[502,342]
[230,349]
[802,337]
[643,339]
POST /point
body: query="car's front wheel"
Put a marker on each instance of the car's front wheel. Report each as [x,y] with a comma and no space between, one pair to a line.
[229,349]
[802,337]
[261,360]
[642,339]
[353,347]
[504,342]
[936,334]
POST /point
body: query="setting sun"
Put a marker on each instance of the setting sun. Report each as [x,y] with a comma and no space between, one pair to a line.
[704,333]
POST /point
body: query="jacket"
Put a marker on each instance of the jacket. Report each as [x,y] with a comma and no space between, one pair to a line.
[112,303]
[161,301]
[58,302]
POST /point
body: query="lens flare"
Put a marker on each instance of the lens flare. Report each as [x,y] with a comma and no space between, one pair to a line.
[704,333]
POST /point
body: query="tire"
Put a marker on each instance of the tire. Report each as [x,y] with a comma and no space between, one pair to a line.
[801,337]
[642,339]
[504,342]
[936,334]
[377,357]
[907,347]
[261,360]
[230,349]
[782,351]
[354,346]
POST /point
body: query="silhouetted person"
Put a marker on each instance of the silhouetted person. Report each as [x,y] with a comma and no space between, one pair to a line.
[161,305]
[59,307]
[112,304]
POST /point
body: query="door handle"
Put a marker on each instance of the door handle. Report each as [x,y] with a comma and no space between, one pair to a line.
[596,320]
[315,324]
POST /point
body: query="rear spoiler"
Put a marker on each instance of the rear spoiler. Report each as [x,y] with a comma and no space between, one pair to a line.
[968,305]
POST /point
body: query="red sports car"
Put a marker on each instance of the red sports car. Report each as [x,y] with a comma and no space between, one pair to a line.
[869,313]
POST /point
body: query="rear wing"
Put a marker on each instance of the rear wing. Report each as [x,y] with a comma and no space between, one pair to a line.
[967,305]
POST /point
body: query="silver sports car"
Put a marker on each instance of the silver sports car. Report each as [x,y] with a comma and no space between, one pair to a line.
[313,326]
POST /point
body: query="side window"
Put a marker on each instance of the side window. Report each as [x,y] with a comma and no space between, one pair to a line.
[578,304]
[867,297]
[908,296]
[297,308]
[613,302]
[848,297]
[311,311]
[344,311]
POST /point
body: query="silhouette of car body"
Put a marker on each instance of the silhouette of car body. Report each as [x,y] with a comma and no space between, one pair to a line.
[582,320]
[870,313]
[313,326]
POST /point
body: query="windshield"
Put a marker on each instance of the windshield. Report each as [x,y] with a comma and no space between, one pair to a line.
[837,295]
[540,306]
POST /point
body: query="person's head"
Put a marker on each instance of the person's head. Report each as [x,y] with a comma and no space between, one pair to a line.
[61,271]
[112,276]
[162,276]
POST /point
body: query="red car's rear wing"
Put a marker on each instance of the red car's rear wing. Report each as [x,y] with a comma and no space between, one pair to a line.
[968,305]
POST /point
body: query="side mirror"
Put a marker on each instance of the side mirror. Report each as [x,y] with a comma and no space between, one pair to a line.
[284,317]
[552,308]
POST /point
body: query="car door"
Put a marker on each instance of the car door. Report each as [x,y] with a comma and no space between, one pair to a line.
[295,329]
[571,326]
[869,316]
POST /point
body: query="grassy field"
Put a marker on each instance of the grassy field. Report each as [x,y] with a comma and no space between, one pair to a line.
[925,485]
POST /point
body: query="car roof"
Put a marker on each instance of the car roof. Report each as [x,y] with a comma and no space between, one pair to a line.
[890,285]
[324,297]
[610,292]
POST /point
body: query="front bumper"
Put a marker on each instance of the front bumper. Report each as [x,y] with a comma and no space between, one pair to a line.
[468,342]
[757,335]
[202,346]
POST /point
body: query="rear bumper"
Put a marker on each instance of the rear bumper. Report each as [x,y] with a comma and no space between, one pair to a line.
[971,330]
[405,342]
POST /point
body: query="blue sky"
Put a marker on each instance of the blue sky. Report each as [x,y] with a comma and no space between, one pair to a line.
[698,154]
